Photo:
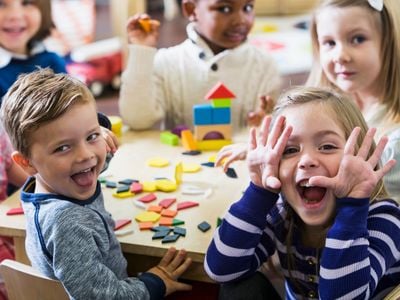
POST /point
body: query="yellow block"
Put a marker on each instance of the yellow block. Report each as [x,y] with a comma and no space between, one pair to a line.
[187,140]
[126,194]
[158,162]
[148,216]
[166,185]
[191,167]
[149,186]
[178,173]
[209,145]
[116,125]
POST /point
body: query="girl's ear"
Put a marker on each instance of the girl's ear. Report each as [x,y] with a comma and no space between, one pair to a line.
[24,163]
[188,9]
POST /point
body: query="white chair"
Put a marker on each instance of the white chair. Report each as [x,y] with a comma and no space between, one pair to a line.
[25,283]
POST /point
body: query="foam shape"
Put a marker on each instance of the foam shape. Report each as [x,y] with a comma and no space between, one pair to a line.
[145,225]
[192,153]
[187,140]
[169,213]
[145,23]
[177,222]
[15,211]
[127,181]
[169,138]
[186,204]
[219,91]
[170,238]
[158,162]
[123,195]
[121,223]
[166,221]
[166,185]
[231,173]
[178,129]
[178,173]
[167,202]
[148,198]
[136,187]
[204,226]
[122,189]
[213,145]
[122,232]
[160,235]
[147,216]
[111,184]
[139,204]
[149,186]
[116,125]
[155,208]
[180,230]
[190,167]
[161,228]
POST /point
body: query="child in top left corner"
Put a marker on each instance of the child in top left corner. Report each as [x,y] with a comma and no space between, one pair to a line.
[24,24]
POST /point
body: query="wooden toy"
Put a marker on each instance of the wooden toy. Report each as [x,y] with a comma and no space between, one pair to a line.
[169,138]
[204,226]
[212,122]
[186,204]
[121,223]
[188,141]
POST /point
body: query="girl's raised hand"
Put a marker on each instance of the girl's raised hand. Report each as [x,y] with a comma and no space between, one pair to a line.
[142,30]
[265,153]
[357,177]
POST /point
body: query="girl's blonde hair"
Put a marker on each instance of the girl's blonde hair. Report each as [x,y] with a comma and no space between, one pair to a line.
[47,22]
[389,21]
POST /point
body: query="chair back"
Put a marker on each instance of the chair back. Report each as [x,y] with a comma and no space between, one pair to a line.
[24,282]
[394,295]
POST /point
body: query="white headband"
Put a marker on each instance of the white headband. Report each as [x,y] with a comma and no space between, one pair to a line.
[376,4]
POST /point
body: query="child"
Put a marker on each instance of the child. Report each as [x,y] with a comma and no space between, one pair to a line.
[335,231]
[24,25]
[165,84]
[69,234]
[361,58]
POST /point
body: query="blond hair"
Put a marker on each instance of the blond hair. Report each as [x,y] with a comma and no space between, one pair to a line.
[36,99]
[388,21]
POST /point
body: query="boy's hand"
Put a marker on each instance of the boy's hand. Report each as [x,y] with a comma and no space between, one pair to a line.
[110,138]
[172,265]
[255,118]
[356,177]
[265,153]
[142,30]
[229,154]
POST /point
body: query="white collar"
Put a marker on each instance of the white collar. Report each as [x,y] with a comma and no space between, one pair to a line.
[6,56]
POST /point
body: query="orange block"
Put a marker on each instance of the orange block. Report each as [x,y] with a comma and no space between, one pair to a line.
[169,213]
[188,141]
[155,208]
[165,221]
[146,225]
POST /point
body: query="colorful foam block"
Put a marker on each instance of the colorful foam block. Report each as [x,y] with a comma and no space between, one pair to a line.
[166,185]
[147,216]
[167,202]
[223,102]
[219,91]
[111,184]
[231,173]
[203,114]
[169,138]
[179,230]
[121,223]
[178,173]
[187,140]
[15,211]
[221,115]
[127,181]
[160,234]
[122,189]
[201,132]
[136,187]
[169,213]
[149,186]
[155,208]
[145,225]
[186,204]
[204,226]
[123,195]
[148,198]
[170,238]
[190,167]
[212,145]
[158,162]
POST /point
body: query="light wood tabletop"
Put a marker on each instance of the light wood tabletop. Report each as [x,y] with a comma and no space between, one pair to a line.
[129,162]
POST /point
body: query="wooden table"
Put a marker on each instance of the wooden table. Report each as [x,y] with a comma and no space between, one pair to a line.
[130,162]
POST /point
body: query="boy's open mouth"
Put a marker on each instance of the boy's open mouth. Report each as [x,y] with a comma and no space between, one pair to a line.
[84,177]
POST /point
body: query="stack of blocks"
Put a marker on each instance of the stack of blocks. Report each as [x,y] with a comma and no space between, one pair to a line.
[212,122]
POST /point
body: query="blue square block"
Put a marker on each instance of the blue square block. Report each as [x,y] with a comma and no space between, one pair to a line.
[221,115]
[202,114]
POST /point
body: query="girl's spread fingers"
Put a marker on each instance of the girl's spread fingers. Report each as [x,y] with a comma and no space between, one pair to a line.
[276,131]
[376,156]
[263,134]
[283,139]
[366,143]
[351,142]
[386,168]
[253,139]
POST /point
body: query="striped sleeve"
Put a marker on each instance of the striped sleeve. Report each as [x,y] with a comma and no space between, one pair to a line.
[360,247]
[241,244]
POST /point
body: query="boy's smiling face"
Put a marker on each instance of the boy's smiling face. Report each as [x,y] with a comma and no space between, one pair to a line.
[68,153]
[224,24]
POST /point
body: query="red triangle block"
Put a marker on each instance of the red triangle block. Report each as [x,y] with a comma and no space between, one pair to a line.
[219,91]
[167,202]
[15,211]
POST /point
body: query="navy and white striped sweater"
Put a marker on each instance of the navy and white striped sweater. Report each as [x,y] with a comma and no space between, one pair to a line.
[360,260]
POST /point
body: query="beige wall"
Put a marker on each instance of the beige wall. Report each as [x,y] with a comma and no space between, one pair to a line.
[280,7]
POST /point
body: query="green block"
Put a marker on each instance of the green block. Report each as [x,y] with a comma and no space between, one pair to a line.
[176,222]
[221,102]
[169,138]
